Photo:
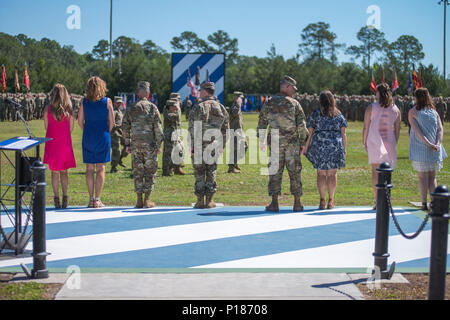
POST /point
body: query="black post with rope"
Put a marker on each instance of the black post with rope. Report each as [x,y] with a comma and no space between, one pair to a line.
[382,222]
[439,237]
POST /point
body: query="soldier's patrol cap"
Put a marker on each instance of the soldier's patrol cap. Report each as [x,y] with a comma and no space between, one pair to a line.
[144,85]
[118,99]
[238,94]
[174,95]
[171,102]
[208,85]
[291,81]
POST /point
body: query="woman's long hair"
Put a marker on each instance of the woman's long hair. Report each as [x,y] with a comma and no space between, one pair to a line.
[386,99]
[95,89]
[328,104]
[423,99]
[60,102]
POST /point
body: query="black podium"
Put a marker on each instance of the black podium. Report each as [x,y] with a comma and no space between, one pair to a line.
[22,183]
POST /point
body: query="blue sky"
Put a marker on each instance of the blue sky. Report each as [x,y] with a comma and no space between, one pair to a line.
[256,24]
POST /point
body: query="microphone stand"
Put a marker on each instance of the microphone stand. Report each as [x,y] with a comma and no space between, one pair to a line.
[19,108]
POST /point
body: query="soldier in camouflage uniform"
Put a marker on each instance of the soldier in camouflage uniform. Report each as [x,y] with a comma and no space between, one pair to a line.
[172,125]
[210,114]
[187,107]
[143,137]
[441,108]
[283,113]
[117,137]
[2,107]
[240,146]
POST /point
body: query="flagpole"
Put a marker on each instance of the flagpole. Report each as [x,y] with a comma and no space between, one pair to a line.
[446,3]
[110,34]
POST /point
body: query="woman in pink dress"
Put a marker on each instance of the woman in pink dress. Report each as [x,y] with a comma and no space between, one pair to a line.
[381,132]
[58,154]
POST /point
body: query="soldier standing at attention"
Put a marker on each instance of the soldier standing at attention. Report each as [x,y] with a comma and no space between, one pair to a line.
[283,113]
[143,137]
[187,107]
[210,114]
[172,123]
[236,124]
[117,137]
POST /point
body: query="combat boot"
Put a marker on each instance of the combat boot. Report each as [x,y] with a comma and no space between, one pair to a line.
[139,203]
[200,203]
[237,167]
[147,202]
[298,207]
[233,169]
[273,206]
[113,167]
[209,202]
[179,171]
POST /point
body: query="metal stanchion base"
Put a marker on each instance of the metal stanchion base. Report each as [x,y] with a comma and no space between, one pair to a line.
[39,274]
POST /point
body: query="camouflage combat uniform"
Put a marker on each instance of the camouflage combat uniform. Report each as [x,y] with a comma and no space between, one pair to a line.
[172,125]
[212,115]
[143,134]
[117,138]
[285,114]
[239,141]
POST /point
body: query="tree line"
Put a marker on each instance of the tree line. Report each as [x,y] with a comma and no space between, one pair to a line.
[315,66]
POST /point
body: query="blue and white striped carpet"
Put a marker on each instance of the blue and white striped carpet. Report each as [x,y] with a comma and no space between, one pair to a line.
[127,239]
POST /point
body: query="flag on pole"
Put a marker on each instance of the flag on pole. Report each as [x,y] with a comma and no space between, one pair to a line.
[197,77]
[382,75]
[26,79]
[16,80]
[3,78]
[191,85]
[410,83]
[415,79]
[207,75]
[395,85]
[373,84]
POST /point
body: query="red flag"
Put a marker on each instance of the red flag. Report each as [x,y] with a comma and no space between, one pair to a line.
[26,79]
[3,78]
[415,79]
[373,84]
[395,85]
[16,80]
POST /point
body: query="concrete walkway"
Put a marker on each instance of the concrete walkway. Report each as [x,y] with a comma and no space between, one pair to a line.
[209,286]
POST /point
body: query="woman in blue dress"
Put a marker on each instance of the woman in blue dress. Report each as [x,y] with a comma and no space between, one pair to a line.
[326,145]
[96,119]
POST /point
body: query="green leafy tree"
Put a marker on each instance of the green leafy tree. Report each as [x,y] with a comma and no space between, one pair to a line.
[373,41]
[405,52]
[222,42]
[317,41]
[188,41]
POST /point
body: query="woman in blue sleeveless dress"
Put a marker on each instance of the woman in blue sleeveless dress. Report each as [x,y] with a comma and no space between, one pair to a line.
[96,119]
[425,143]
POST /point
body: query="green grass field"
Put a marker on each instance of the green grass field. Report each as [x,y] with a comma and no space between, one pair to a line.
[246,188]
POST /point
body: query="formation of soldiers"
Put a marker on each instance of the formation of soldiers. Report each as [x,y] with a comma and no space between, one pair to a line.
[33,105]
[353,107]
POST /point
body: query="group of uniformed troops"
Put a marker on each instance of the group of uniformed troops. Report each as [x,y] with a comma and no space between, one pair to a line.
[141,132]
[33,105]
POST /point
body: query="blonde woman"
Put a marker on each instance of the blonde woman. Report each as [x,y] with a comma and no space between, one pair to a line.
[381,132]
[96,119]
[58,153]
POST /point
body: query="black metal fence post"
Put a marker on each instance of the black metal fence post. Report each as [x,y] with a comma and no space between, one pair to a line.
[439,237]
[382,223]
[39,236]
